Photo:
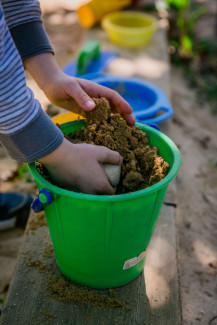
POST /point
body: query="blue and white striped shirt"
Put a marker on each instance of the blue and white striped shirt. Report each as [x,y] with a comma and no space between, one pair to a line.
[22,121]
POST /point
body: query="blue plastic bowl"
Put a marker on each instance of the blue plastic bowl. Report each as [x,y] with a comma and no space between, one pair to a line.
[150,104]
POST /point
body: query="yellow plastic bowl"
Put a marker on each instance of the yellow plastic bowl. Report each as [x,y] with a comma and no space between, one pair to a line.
[129,28]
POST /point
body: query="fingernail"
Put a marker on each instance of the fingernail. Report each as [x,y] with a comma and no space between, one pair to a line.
[89,104]
[131,119]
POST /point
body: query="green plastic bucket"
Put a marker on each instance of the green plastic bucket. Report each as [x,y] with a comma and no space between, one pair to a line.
[101,241]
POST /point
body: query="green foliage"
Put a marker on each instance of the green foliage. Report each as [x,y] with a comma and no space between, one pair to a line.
[212,161]
[184,19]
[196,11]
[186,43]
[2,300]
[178,4]
[206,47]
[198,58]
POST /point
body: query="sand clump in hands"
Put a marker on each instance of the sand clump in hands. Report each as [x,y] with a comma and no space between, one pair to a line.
[141,167]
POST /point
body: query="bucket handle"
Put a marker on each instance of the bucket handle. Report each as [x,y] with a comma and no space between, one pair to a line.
[168,112]
[43,198]
[154,126]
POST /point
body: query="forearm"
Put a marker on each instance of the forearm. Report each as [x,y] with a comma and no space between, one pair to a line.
[43,68]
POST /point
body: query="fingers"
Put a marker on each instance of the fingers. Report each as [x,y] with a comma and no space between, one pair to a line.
[118,103]
[130,119]
[109,190]
[120,106]
[105,187]
[98,182]
[107,156]
[80,96]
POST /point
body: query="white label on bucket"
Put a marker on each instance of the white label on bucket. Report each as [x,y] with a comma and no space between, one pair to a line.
[133,261]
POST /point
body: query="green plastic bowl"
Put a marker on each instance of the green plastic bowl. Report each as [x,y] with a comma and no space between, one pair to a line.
[100,241]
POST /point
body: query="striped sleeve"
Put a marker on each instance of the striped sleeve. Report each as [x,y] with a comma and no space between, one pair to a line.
[23,18]
[18,12]
[22,121]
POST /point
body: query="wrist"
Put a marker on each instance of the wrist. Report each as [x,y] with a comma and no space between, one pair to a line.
[57,155]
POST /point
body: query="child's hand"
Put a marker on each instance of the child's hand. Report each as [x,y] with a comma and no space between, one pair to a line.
[79,167]
[74,94]
[71,93]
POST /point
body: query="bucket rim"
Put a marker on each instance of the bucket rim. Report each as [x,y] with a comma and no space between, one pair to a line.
[117,197]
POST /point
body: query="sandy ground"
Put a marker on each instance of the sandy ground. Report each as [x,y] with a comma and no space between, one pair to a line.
[194,131]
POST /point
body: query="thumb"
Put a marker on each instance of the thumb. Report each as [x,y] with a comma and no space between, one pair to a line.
[107,156]
[80,96]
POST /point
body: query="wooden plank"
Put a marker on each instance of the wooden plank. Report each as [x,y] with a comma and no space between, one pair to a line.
[152,298]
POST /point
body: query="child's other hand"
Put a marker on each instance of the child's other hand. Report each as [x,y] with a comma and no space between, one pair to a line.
[74,94]
[79,167]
